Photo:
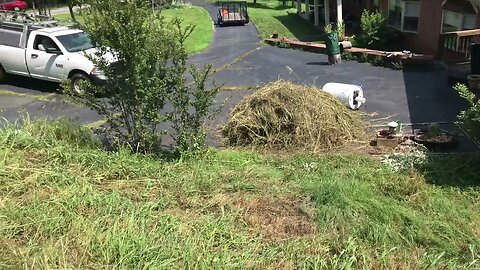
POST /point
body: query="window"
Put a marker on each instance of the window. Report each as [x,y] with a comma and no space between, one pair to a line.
[42,43]
[75,42]
[454,21]
[403,15]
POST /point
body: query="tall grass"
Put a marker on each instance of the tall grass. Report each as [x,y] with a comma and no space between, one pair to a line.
[66,203]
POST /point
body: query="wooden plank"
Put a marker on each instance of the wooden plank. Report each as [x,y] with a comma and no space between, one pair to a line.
[320,47]
[464,33]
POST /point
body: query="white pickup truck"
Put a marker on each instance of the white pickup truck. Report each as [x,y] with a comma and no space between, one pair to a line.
[47,53]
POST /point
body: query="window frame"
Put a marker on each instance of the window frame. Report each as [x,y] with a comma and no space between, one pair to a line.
[402,21]
[463,15]
[36,42]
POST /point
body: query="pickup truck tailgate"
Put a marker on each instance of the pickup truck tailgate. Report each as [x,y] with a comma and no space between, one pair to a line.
[12,60]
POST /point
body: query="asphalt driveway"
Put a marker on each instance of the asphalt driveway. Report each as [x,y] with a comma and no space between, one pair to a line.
[242,61]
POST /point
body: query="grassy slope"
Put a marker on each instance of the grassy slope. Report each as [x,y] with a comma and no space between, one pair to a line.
[203,32]
[64,203]
[270,17]
[200,38]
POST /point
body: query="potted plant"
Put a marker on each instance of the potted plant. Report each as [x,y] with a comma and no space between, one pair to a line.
[435,138]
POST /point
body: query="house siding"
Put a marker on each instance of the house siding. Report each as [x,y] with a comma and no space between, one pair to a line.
[426,40]
[429,28]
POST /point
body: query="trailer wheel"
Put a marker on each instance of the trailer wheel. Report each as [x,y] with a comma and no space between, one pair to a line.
[79,83]
[3,74]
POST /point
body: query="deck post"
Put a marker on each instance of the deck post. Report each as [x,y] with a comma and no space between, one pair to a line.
[339,11]
[307,7]
[327,11]
[299,7]
[315,12]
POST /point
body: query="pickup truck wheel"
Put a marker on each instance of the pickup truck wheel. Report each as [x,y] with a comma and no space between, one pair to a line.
[3,74]
[79,83]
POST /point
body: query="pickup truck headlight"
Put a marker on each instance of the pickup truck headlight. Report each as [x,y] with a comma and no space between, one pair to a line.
[98,74]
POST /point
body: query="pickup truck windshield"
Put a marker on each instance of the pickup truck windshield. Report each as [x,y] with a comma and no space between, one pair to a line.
[75,42]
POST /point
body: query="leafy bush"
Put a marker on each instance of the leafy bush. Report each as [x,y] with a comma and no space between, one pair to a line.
[470,118]
[363,58]
[375,32]
[328,29]
[149,72]
[378,61]
[397,65]
[348,56]
[405,162]
[341,31]
[283,44]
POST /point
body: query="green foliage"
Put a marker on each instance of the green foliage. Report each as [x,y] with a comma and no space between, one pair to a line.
[197,41]
[375,32]
[470,118]
[397,65]
[348,56]
[363,58]
[328,29]
[283,44]
[61,131]
[270,17]
[340,27]
[149,73]
[434,130]
[378,61]
[406,162]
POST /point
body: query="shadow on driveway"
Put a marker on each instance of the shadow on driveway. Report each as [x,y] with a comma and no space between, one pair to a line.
[29,85]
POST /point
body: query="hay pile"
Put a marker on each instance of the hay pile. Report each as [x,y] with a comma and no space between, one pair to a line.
[291,116]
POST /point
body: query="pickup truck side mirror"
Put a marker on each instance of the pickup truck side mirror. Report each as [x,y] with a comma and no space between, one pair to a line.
[53,50]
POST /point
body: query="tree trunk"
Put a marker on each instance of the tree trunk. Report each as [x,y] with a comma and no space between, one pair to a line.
[72,14]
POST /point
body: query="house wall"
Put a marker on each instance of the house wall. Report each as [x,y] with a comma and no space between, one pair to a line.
[430,24]
[426,40]
[429,28]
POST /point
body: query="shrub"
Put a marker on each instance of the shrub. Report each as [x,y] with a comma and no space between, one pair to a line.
[363,58]
[341,31]
[150,72]
[375,32]
[469,118]
[348,56]
[397,65]
[378,61]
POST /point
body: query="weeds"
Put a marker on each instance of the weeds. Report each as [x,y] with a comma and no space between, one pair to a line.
[66,203]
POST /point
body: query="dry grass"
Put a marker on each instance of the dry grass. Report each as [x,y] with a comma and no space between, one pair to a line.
[292,116]
[282,218]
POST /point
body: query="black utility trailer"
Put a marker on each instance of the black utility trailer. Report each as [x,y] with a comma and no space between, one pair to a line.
[232,13]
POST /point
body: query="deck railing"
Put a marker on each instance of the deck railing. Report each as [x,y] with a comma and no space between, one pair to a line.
[454,47]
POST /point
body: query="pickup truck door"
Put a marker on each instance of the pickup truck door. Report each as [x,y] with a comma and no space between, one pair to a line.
[45,60]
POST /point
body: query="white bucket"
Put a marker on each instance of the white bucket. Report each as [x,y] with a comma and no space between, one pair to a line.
[349,94]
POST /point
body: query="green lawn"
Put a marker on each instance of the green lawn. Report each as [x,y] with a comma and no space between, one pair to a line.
[203,33]
[200,38]
[66,203]
[270,17]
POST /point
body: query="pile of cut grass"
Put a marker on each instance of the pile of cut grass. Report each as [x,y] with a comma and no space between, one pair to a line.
[66,203]
[293,116]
